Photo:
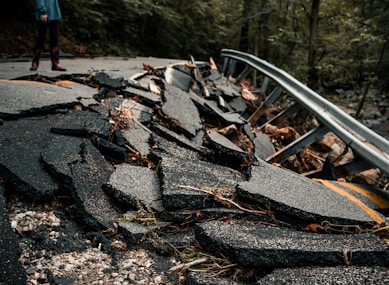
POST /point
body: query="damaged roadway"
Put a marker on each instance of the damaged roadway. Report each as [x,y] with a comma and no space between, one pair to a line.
[141,153]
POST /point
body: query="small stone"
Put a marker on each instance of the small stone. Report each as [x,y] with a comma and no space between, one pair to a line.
[30,213]
[14,224]
[20,216]
[132,277]
[158,279]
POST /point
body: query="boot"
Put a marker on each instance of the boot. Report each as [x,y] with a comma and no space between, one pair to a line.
[55,60]
[35,59]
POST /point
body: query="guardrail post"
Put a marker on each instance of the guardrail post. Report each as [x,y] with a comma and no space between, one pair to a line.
[296,146]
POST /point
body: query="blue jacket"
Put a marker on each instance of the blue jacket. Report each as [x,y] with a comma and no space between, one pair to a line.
[49,8]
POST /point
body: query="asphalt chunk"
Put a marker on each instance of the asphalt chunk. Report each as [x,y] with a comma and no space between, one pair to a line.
[83,124]
[79,166]
[181,177]
[273,247]
[330,275]
[178,105]
[289,193]
[135,185]
[42,97]
[21,144]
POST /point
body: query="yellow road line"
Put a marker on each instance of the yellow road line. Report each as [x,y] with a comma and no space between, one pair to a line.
[59,83]
[21,81]
[373,214]
[64,82]
[381,202]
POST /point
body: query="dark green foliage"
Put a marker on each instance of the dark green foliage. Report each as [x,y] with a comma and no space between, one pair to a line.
[351,45]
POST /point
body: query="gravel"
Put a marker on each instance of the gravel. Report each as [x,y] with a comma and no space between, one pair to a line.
[56,250]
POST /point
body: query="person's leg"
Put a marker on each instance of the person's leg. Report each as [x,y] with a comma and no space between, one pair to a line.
[39,44]
[54,51]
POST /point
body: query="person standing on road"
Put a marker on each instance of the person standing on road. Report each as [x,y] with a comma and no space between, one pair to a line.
[47,16]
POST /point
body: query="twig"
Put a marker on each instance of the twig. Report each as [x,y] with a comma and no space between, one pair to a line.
[225,200]
[347,255]
[380,229]
[185,266]
[130,148]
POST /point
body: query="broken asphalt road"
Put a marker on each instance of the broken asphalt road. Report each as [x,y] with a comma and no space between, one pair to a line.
[142,150]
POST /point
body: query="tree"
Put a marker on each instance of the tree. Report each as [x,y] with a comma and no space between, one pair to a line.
[244,29]
[313,77]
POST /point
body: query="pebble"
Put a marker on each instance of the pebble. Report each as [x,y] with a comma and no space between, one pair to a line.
[87,267]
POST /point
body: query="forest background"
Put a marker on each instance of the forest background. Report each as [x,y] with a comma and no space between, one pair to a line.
[327,44]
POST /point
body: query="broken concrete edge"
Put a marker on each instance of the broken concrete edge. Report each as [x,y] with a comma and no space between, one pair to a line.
[174,137]
[39,111]
[248,244]
[26,191]
[300,219]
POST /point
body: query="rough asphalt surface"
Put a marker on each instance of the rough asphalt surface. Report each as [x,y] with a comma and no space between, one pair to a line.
[126,160]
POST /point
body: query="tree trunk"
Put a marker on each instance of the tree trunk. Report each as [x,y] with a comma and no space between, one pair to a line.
[244,31]
[261,44]
[313,77]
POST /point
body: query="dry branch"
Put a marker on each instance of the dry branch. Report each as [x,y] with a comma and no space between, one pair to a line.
[185,266]
[223,199]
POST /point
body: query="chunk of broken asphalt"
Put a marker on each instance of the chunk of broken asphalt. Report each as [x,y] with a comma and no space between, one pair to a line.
[138,137]
[293,196]
[330,275]
[177,78]
[223,145]
[11,270]
[255,245]
[80,167]
[138,111]
[103,79]
[178,173]
[83,124]
[213,111]
[21,144]
[215,76]
[178,105]
[111,151]
[238,104]
[227,90]
[180,140]
[42,97]
[135,186]
[263,146]
[374,198]
[147,98]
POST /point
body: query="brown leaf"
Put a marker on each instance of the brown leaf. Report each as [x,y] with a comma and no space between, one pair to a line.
[212,64]
[247,94]
[316,228]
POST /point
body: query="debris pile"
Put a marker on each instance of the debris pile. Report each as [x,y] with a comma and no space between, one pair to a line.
[165,161]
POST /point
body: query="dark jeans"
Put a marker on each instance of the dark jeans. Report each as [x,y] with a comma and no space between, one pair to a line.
[42,31]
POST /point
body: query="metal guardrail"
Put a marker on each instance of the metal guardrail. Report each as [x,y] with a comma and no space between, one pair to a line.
[365,143]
